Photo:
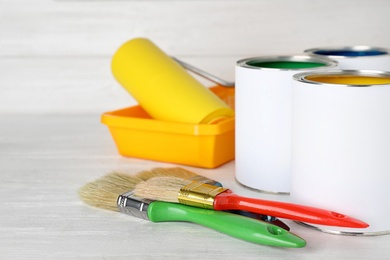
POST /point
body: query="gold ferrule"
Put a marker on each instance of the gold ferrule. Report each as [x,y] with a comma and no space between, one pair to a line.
[199,194]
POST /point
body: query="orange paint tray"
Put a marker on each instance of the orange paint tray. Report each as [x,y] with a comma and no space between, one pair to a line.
[137,135]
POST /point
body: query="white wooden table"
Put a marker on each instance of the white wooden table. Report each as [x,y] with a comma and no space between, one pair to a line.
[45,159]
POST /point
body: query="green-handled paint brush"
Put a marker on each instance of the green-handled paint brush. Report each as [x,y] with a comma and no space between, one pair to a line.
[114,192]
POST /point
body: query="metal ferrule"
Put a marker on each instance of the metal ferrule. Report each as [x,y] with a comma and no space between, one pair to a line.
[129,204]
[200,178]
[199,195]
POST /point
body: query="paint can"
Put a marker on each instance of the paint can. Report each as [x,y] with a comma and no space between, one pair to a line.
[341,146]
[263,118]
[356,57]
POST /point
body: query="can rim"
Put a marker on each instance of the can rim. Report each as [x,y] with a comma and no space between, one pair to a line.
[301,77]
[344,233]
[328,63]
[356,48]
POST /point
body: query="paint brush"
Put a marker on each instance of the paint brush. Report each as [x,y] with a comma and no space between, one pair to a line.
[176,172]
[114,192]
[189,175]
[177,190]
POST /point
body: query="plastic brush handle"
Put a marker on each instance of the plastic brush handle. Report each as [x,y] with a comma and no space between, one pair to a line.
[238,226]
[230,201]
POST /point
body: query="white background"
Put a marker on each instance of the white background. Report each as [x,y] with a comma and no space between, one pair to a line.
[55,55]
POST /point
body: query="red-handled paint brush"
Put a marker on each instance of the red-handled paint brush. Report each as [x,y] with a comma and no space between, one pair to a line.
[182,173]
[172,189]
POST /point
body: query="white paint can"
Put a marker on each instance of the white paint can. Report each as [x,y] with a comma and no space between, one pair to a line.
[263,118]
[341,146]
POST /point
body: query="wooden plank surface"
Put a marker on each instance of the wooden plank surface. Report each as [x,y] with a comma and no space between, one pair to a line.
[45,159]
[197,28]
[55,55]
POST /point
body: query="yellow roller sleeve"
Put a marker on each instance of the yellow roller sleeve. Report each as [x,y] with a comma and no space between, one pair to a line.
[163,88]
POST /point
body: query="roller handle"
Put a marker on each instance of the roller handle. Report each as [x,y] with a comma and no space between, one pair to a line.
[237,226]
[229,201]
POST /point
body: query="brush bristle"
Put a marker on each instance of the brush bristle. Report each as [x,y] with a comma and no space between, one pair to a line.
[161,188]
[169,172]
[104,192]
